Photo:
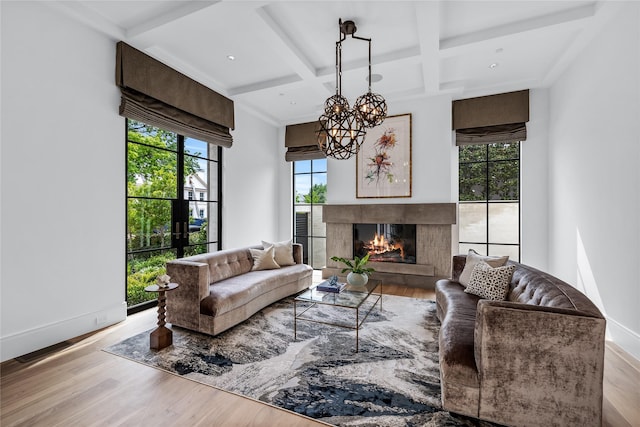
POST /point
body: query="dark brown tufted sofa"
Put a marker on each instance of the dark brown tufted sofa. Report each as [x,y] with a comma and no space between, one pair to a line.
[535,359]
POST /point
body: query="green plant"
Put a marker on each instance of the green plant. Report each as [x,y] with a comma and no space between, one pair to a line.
[356,266]
[142,272]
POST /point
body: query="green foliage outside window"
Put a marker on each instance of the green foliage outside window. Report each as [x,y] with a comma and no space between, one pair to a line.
[152,173]
[317,194]
[495,165]
[151,184]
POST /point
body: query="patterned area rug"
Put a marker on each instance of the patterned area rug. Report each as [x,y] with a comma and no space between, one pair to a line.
[393,380]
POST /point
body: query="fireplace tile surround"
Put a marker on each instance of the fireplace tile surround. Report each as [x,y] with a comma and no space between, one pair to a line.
[434,228]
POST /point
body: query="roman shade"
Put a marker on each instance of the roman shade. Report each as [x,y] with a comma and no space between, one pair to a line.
[158,95]
[489,119]
[301,141]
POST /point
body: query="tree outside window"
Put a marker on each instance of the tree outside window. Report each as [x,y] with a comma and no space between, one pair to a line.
[309,194]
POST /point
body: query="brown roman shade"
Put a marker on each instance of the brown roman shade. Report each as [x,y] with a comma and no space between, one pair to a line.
[489,119]
[158,95]
[301,141]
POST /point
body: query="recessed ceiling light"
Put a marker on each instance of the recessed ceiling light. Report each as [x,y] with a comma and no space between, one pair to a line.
[231,57]
[494,65]
[374,78]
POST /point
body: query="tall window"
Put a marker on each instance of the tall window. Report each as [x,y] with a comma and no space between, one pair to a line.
[489,199]
[162,170]
[309,194]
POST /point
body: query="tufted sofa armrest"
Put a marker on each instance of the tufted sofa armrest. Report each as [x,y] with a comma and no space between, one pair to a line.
[548,357]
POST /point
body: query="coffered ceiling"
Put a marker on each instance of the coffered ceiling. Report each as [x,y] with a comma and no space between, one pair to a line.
[284,51]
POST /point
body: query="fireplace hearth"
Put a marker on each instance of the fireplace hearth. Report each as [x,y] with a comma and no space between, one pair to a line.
[385,242]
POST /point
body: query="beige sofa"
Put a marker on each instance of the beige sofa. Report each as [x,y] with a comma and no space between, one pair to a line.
[219,289]
[535,359]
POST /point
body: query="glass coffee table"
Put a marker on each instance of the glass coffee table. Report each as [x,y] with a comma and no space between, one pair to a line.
[350,298]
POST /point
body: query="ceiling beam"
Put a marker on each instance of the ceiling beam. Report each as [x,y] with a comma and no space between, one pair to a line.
[411,54]
[428,24]
[289,52]
[88,16]
[282,43]
[400,57]
[184,9]
[572,18]
[266,84]
[604,12]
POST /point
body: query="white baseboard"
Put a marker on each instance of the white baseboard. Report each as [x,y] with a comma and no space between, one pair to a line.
[28,341]
[624,337]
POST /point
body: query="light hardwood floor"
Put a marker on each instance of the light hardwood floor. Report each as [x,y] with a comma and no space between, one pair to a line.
[81,385]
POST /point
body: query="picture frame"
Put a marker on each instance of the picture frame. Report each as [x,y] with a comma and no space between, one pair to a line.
[383,163]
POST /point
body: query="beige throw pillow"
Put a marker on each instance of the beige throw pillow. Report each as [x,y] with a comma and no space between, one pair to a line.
[473,258]
[490,283]
[283,252]
[263,259]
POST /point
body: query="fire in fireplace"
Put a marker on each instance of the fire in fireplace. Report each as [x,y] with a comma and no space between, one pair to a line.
[385,242]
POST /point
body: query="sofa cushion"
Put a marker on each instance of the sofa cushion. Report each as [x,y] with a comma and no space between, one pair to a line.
[236,291]
[283,252]
[226,263]
[263,259]
[473,258]
[490,283]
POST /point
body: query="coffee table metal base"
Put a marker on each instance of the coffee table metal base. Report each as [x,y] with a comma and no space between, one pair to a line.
[356,326]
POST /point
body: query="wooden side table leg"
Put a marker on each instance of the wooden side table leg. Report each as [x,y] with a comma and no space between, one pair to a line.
[162,336]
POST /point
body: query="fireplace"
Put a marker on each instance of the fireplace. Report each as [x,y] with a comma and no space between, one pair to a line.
[431,255]
[385,242]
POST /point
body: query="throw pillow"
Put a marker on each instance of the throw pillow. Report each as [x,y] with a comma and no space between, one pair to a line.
[263,259]
[283,252]
[490,283]
[473,258]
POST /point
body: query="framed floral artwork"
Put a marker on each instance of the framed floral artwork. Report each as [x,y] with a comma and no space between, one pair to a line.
[383,163]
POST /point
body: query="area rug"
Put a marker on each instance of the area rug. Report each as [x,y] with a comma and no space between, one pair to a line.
[393,380]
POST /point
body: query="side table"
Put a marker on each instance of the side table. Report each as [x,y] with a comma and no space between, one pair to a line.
[162,336]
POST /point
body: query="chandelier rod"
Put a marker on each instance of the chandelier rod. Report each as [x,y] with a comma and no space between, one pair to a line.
[369,65]
[349,27]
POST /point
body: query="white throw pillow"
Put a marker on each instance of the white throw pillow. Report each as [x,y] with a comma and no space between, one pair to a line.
[283,252]
[490,283]
[263,259]
[473,258]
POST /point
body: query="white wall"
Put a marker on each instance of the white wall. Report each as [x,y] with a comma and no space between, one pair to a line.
[63,250]
[285,190]
[432,150]
[250,206]
[62,180]
[534,183]
[435,163]
[594,180]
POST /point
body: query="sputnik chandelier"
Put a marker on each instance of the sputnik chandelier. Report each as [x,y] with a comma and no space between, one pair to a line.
[345,128]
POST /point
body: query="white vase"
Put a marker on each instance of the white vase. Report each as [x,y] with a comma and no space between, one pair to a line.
[357,279]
